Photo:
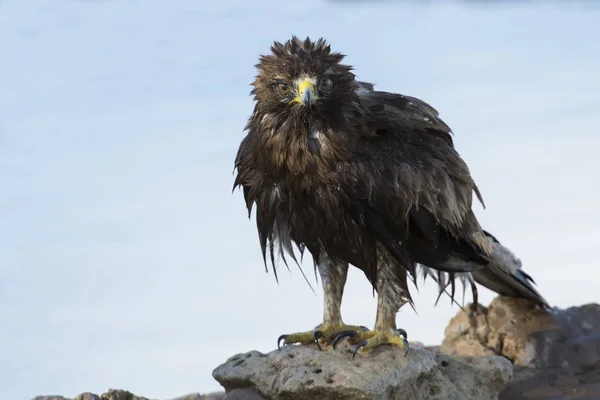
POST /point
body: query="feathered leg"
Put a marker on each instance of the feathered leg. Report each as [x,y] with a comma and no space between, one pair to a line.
[392,294]
[333,277]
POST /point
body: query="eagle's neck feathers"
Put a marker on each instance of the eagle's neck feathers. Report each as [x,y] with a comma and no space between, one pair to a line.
[301,147]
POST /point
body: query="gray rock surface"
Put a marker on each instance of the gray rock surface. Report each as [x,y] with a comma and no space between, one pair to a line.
[557,352]
[304,372]
[113,394]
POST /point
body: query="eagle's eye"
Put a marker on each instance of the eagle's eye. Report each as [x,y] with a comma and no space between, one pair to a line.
[283,88]
[326,84]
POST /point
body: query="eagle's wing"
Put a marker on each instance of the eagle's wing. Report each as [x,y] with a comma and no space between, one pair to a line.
[411,188]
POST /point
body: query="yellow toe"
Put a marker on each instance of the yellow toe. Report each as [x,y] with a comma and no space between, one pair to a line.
[373,339]
[298,337]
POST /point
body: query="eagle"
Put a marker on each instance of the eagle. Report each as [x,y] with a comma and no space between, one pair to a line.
[355,176]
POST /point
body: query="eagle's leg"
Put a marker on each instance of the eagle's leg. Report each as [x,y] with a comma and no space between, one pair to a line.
[392,291]
[333,277]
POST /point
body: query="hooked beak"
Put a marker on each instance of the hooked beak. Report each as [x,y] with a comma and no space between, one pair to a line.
[308,96]
[306,93]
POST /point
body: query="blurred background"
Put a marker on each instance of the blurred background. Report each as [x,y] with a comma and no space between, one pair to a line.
[126,261]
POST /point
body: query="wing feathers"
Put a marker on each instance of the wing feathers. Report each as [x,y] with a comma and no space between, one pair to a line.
[410,176]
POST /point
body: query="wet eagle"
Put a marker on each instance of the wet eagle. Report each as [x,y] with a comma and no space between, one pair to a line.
[357,177]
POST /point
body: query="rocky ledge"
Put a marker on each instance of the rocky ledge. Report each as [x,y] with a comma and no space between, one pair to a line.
[304,372]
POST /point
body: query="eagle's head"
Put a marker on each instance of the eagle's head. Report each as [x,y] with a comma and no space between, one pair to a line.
[303,77]
[303,94]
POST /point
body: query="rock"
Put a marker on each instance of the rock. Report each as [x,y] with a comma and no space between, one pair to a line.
[50,398]
[303,372]
[119,395]
[209,396]
[88,396]
[552,384]
[557,352]
[82,396]
[529,336]
[112,394]
[244,394]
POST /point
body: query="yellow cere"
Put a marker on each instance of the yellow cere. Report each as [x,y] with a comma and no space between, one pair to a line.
[303,85]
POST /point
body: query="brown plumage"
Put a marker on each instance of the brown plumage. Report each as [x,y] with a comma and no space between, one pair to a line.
[503,274]
[354,176]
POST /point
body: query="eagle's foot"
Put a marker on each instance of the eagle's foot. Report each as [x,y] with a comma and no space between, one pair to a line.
[299,337]
[322,334]
[325,334]
[367,340]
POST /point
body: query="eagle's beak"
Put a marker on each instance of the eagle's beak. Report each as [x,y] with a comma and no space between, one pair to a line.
[306,93]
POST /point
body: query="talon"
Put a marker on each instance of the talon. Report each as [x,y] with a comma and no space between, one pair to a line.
[358,346]
[282,337]
[316,336]
[373,339]
[364,328]
[322,334]
[342,335]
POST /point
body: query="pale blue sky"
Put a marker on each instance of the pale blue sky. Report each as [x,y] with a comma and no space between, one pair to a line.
[125,261]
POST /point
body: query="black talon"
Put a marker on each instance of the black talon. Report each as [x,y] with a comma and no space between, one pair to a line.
[406,344]
[341,335]
[403,333]
[358,346]
[364,328]
[282,337]
[316,336]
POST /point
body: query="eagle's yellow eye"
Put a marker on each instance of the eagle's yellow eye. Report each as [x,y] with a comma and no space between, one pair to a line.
[283,88]
[326,84]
